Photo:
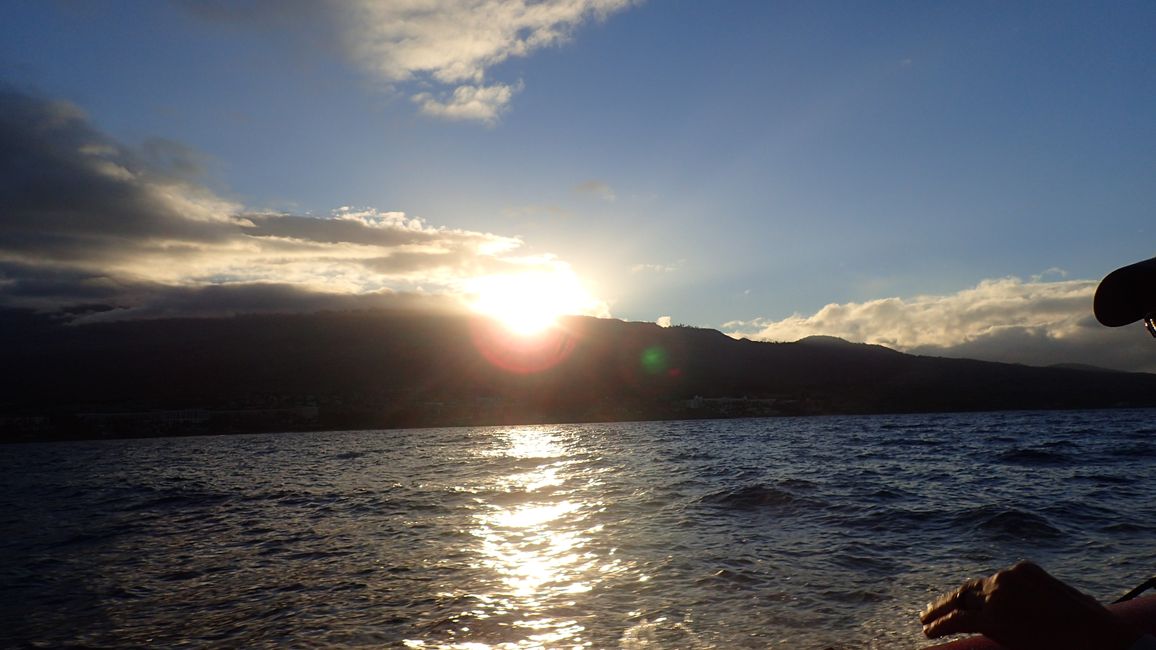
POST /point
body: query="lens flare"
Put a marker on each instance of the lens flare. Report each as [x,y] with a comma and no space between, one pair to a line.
[654,360]
[522,353]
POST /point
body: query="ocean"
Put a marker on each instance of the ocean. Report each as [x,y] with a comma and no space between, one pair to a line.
[818,532]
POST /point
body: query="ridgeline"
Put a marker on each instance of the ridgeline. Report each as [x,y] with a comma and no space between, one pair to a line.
[390,369]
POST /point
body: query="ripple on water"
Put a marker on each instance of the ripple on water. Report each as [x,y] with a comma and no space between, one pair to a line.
[1009,524]
[761,498]
[1034,456]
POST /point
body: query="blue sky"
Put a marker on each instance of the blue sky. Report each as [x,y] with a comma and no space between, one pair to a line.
[946,178]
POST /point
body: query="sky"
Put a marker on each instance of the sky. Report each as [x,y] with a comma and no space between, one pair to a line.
[942,178]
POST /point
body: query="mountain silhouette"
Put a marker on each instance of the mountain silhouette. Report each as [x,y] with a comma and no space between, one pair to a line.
[399,368]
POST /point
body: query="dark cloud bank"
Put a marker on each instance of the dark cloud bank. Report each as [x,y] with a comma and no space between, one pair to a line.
[90,222]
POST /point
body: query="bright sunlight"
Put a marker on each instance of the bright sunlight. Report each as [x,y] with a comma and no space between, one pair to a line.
[530,302]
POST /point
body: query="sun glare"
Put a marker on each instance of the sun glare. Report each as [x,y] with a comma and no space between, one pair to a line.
[530,302]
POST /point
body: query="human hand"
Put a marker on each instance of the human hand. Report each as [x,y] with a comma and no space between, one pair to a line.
[1025,608]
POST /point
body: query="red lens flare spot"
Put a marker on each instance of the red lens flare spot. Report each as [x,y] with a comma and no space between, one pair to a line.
[522,354]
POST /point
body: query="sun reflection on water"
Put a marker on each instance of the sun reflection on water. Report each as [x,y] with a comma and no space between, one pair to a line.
[531,442]
[535,540]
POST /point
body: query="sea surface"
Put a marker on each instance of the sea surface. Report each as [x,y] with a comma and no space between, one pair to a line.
[820,532]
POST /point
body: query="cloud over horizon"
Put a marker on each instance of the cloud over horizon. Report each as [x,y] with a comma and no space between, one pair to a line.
[89,221]
[1009,320]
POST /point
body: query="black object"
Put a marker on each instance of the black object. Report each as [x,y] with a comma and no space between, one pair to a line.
[1148,584]
[1127,295]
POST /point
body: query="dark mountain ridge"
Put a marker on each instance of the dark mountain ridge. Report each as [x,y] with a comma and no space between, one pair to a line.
[405,368]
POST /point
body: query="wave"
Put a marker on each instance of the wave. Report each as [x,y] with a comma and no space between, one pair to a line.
[178,500]
[853,596]
[1137,450]
[1105,479]
[1127,528]
[758,497]
[1010,524]
[1034,456]
[519,496]
[887,521]
[912,442]
[727,576]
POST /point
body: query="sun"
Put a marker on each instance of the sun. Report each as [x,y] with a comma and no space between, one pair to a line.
[529,302]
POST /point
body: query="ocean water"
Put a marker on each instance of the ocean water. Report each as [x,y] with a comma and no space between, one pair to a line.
[824,532]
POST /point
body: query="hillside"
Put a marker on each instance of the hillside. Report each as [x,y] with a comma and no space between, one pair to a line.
[401,368]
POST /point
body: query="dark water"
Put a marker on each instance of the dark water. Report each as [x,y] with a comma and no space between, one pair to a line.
[776,533]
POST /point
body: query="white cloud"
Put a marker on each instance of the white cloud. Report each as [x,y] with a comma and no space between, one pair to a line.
[1055,271]
[439,52]
[479,103]
[1006,319]
[664,321]
[455,42]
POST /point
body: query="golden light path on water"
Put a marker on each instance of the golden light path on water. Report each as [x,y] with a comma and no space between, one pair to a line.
[535,539]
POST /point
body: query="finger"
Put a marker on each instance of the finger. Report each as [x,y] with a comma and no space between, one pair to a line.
[957,622]
[947,602]
[940,607]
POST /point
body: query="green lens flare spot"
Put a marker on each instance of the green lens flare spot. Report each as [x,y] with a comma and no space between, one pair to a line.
[654,360]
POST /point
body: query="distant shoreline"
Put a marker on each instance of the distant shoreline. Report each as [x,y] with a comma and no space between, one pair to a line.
[48,435]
